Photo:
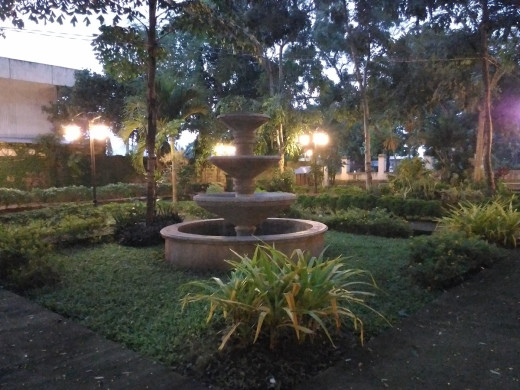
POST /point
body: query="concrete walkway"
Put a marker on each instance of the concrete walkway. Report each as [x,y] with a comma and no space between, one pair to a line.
[41,350]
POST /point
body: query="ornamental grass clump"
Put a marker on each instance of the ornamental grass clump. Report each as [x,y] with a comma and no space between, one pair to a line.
[272,292]
[496,222]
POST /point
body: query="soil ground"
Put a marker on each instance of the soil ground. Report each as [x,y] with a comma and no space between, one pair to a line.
[468,339]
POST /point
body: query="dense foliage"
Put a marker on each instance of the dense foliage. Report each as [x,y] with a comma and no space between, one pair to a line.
[408,208]
[444,260]
[12,197]
[495,221]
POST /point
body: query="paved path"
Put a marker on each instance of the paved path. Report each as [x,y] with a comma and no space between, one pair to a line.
[468,339]
[40,350]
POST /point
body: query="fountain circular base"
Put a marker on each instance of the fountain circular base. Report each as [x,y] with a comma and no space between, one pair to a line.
[206,244]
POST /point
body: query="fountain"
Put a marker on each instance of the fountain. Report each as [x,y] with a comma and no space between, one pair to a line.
[244,221]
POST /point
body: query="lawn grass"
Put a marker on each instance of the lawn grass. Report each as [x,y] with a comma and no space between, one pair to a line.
[387,260]
[132,296]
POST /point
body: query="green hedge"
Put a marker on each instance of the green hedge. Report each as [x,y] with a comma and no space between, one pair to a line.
[444,260]
[12,197]
[407,208]
[376,222]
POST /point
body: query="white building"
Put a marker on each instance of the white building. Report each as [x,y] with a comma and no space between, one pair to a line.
[24,88]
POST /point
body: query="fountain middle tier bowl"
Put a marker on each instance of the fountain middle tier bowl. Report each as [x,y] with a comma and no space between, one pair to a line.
[207,244]
[244,167]
[245,210]
[243,121]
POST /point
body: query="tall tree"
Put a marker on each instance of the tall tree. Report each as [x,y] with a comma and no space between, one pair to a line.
[495,22]
[91,93]
[352,33]
[268,31]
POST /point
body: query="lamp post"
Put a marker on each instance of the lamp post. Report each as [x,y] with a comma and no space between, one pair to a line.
[312,142]
[95,131]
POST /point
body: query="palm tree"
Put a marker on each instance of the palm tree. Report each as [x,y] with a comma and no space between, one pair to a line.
[177,104]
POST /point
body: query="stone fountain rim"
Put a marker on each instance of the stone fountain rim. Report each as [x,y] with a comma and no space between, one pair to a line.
[172,231]
[247,157]
[233,197]
[244,114]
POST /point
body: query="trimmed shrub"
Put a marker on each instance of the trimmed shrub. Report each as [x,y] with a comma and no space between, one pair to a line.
[407,208]
[132,230]
[215,188]
[24,261]
[282,181]
[444,260]
[377,222]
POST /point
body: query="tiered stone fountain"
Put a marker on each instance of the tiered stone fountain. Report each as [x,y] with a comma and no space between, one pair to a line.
[206,244]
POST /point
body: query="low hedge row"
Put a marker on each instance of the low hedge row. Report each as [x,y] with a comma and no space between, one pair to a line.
[407,208]
[376,222]
[13,197]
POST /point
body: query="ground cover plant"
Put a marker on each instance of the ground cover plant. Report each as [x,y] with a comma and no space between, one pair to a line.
[132,296]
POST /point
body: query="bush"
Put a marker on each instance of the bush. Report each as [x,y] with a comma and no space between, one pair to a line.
[407,208]
[444,260]
[11,196]
[496,221]
[64,225]
[271,292]
[282,181]
[215,188]
[412,179]
[24,261]
[376,222]
[132,230]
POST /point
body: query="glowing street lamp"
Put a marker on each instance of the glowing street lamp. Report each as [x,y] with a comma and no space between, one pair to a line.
[96,131]
[311,143]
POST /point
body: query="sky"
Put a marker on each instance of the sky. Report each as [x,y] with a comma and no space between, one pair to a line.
[52,44]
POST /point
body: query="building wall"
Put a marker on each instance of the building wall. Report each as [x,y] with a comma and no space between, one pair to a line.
[24,88]
[21,116]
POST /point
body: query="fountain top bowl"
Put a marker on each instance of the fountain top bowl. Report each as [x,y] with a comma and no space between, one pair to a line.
[243,121]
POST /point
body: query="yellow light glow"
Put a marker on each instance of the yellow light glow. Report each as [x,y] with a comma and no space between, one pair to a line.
[71,132]
[225,150]
[304,139]
[320,138]
[99,131]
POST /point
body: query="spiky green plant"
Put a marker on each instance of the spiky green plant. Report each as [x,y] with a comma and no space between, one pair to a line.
[495,221]
[272,291]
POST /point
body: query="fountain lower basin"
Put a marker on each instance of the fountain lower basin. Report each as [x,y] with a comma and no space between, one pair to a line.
[206,244]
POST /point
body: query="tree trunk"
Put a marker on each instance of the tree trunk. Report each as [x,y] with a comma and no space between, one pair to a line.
[174,171]
[488,121]
[280,135]
[152,112]
[362,82]
[368,153]
[478,162]
[281,147]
